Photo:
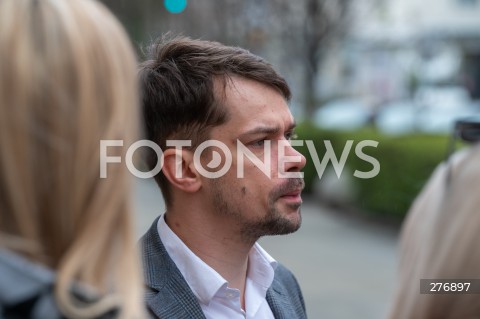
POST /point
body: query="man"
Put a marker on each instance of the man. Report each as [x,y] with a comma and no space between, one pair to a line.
[201,258]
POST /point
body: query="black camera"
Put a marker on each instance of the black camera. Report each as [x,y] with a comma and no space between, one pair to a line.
[468,129]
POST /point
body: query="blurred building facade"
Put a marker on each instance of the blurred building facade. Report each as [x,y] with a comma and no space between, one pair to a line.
[376,51]
[397,46]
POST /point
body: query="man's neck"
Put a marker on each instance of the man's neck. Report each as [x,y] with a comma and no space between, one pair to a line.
[216,242]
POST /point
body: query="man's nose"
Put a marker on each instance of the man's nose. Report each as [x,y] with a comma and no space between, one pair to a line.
[298,160]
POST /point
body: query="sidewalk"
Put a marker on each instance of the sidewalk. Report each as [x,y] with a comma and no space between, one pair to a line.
[346,267]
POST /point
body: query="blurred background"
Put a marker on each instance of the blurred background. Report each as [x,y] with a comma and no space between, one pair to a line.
[398,72]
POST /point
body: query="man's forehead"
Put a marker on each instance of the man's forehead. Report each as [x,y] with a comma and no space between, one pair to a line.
[252,104]
[244,94]
[266,123]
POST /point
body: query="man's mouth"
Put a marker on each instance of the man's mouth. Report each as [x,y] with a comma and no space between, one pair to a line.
[291,191]
[293,196]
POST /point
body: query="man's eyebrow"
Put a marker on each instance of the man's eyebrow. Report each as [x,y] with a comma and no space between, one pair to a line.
[267,130]
[261,130]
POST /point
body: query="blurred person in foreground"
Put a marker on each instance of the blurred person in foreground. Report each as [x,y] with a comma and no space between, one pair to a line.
[67,81]
[201,258]
[440,240]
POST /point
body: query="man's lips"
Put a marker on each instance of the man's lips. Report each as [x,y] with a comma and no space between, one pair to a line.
[292,197]
[292,193]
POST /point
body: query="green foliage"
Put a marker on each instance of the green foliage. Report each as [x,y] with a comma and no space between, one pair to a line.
[406,163]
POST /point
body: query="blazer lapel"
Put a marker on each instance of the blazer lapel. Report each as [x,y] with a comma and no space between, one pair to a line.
[169,295]
[279,302]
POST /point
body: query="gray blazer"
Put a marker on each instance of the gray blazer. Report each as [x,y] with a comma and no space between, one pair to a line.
[168,295]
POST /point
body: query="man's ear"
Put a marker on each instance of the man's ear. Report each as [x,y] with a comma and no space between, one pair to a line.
[179,169]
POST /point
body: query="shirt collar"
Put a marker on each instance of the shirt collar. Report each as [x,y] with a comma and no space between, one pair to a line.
[261,272]
[261,267]
[204,281]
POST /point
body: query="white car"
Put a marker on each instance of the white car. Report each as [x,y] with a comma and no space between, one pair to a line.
[342,114]
[433,110]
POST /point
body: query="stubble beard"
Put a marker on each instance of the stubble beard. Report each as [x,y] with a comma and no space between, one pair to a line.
[273,223]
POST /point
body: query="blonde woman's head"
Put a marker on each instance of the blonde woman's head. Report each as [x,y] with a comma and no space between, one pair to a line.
[440,240]
[67,81]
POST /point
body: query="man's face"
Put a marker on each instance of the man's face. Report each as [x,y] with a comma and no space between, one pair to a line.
[258,204]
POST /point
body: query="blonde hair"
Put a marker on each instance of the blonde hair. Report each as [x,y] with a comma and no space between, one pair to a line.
[67,81]
[439,240]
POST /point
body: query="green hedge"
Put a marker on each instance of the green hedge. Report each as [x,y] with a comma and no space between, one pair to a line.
[406,162]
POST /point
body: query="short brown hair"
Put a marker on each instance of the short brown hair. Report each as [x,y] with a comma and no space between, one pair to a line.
[177,84]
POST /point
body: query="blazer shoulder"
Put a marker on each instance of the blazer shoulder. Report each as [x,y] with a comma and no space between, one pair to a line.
[286,277]
[155,260]
[286,285]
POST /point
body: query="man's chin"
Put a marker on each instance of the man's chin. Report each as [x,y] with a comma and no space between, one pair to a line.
[279,226]
[289,209]
[289,223]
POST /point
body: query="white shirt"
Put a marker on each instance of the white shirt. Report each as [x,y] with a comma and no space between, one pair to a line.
[216,299]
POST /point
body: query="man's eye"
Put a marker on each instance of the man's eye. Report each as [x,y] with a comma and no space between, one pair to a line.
[258,143]
[291,136]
